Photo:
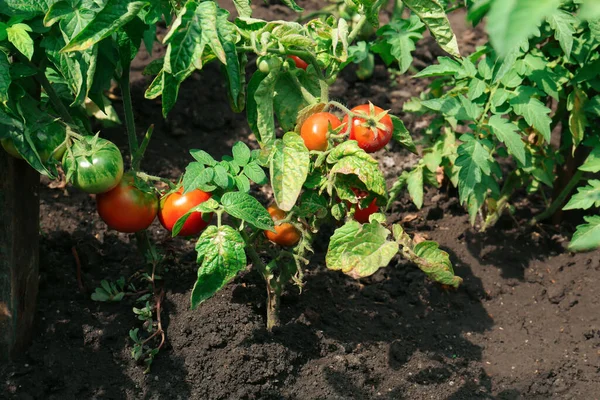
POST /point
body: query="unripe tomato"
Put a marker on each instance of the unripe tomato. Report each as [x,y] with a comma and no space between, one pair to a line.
[47,142]
[127,208]
[300,63]
[176,205]
[362,214]
[96,165]
[267,63]
[314,130]
[372,127]
[285,234]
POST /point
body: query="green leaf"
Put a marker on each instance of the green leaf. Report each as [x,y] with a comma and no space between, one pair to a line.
[25,8]
[241,153]
[592,162]
[18,35]
[586,197]
[587,236]
[436,263]
[533,110]
[563,23]
[593,106]
[247,208]
[114,16]
[288,100]
[221,178]
[445,67]
[5,78]
[590,10]
[473,160]
[263,101]
[506,132]
[577,120]
[292,4]
[477,87]
[433,15]
[397,41]
[414,182]
[402,135]
[349,159]
[510,22]
[311,204]
[221,256]
[203,157]
[243,8]
[360,250]
[289,165]
[255,173]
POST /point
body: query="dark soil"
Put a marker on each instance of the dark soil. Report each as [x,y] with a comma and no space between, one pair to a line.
[523,325]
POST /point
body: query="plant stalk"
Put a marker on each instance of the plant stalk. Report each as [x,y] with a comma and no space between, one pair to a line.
[560,199]
[128,110]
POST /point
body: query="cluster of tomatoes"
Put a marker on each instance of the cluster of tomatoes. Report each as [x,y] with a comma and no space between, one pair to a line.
[370,126]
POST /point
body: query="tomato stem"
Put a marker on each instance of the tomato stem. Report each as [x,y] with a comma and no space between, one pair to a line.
[129,118]
[146,177]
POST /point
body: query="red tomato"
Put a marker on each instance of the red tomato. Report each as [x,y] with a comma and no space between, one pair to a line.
[372,127]
[362,214]
[314,130]
[285,234]
[300,63]
[175,205]
[127,208]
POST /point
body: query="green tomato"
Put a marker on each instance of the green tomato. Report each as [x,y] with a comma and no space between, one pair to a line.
[48,142]
[96,165]
[9,146]
[266,64]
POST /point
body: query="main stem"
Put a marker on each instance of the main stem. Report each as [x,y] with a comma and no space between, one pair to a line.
[128,110]
[560,199]
[273,295]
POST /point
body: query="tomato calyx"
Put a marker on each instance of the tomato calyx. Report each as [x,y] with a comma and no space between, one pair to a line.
[371,120]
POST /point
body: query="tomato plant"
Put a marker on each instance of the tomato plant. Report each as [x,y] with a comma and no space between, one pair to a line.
[127,208]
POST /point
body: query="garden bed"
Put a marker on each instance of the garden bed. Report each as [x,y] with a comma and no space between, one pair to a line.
[523,325]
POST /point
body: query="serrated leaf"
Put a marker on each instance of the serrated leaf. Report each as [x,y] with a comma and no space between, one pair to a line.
[445,67]
[197,176]
[477,87]
[247,208]
[255,173]
[289,165]
[203,157]
[433,15]
[221,255]
[243,8]
[593,106]
[533,110]
[221,178]
[587,236]
[241,153]
[360,250]
[592,162]
[506,132]
[18,35]
[436,263]
[509,22]
[263,101]
[402,135]
[577,120]
[398,40]
[242,183]
[586,197]
[473,160]
[114,16]
[563,23]
[349,159]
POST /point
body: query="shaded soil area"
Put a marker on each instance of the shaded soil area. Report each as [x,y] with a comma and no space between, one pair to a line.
[524,325]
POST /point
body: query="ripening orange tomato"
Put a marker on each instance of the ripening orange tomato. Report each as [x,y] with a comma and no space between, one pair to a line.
[285,234]
[314,130]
